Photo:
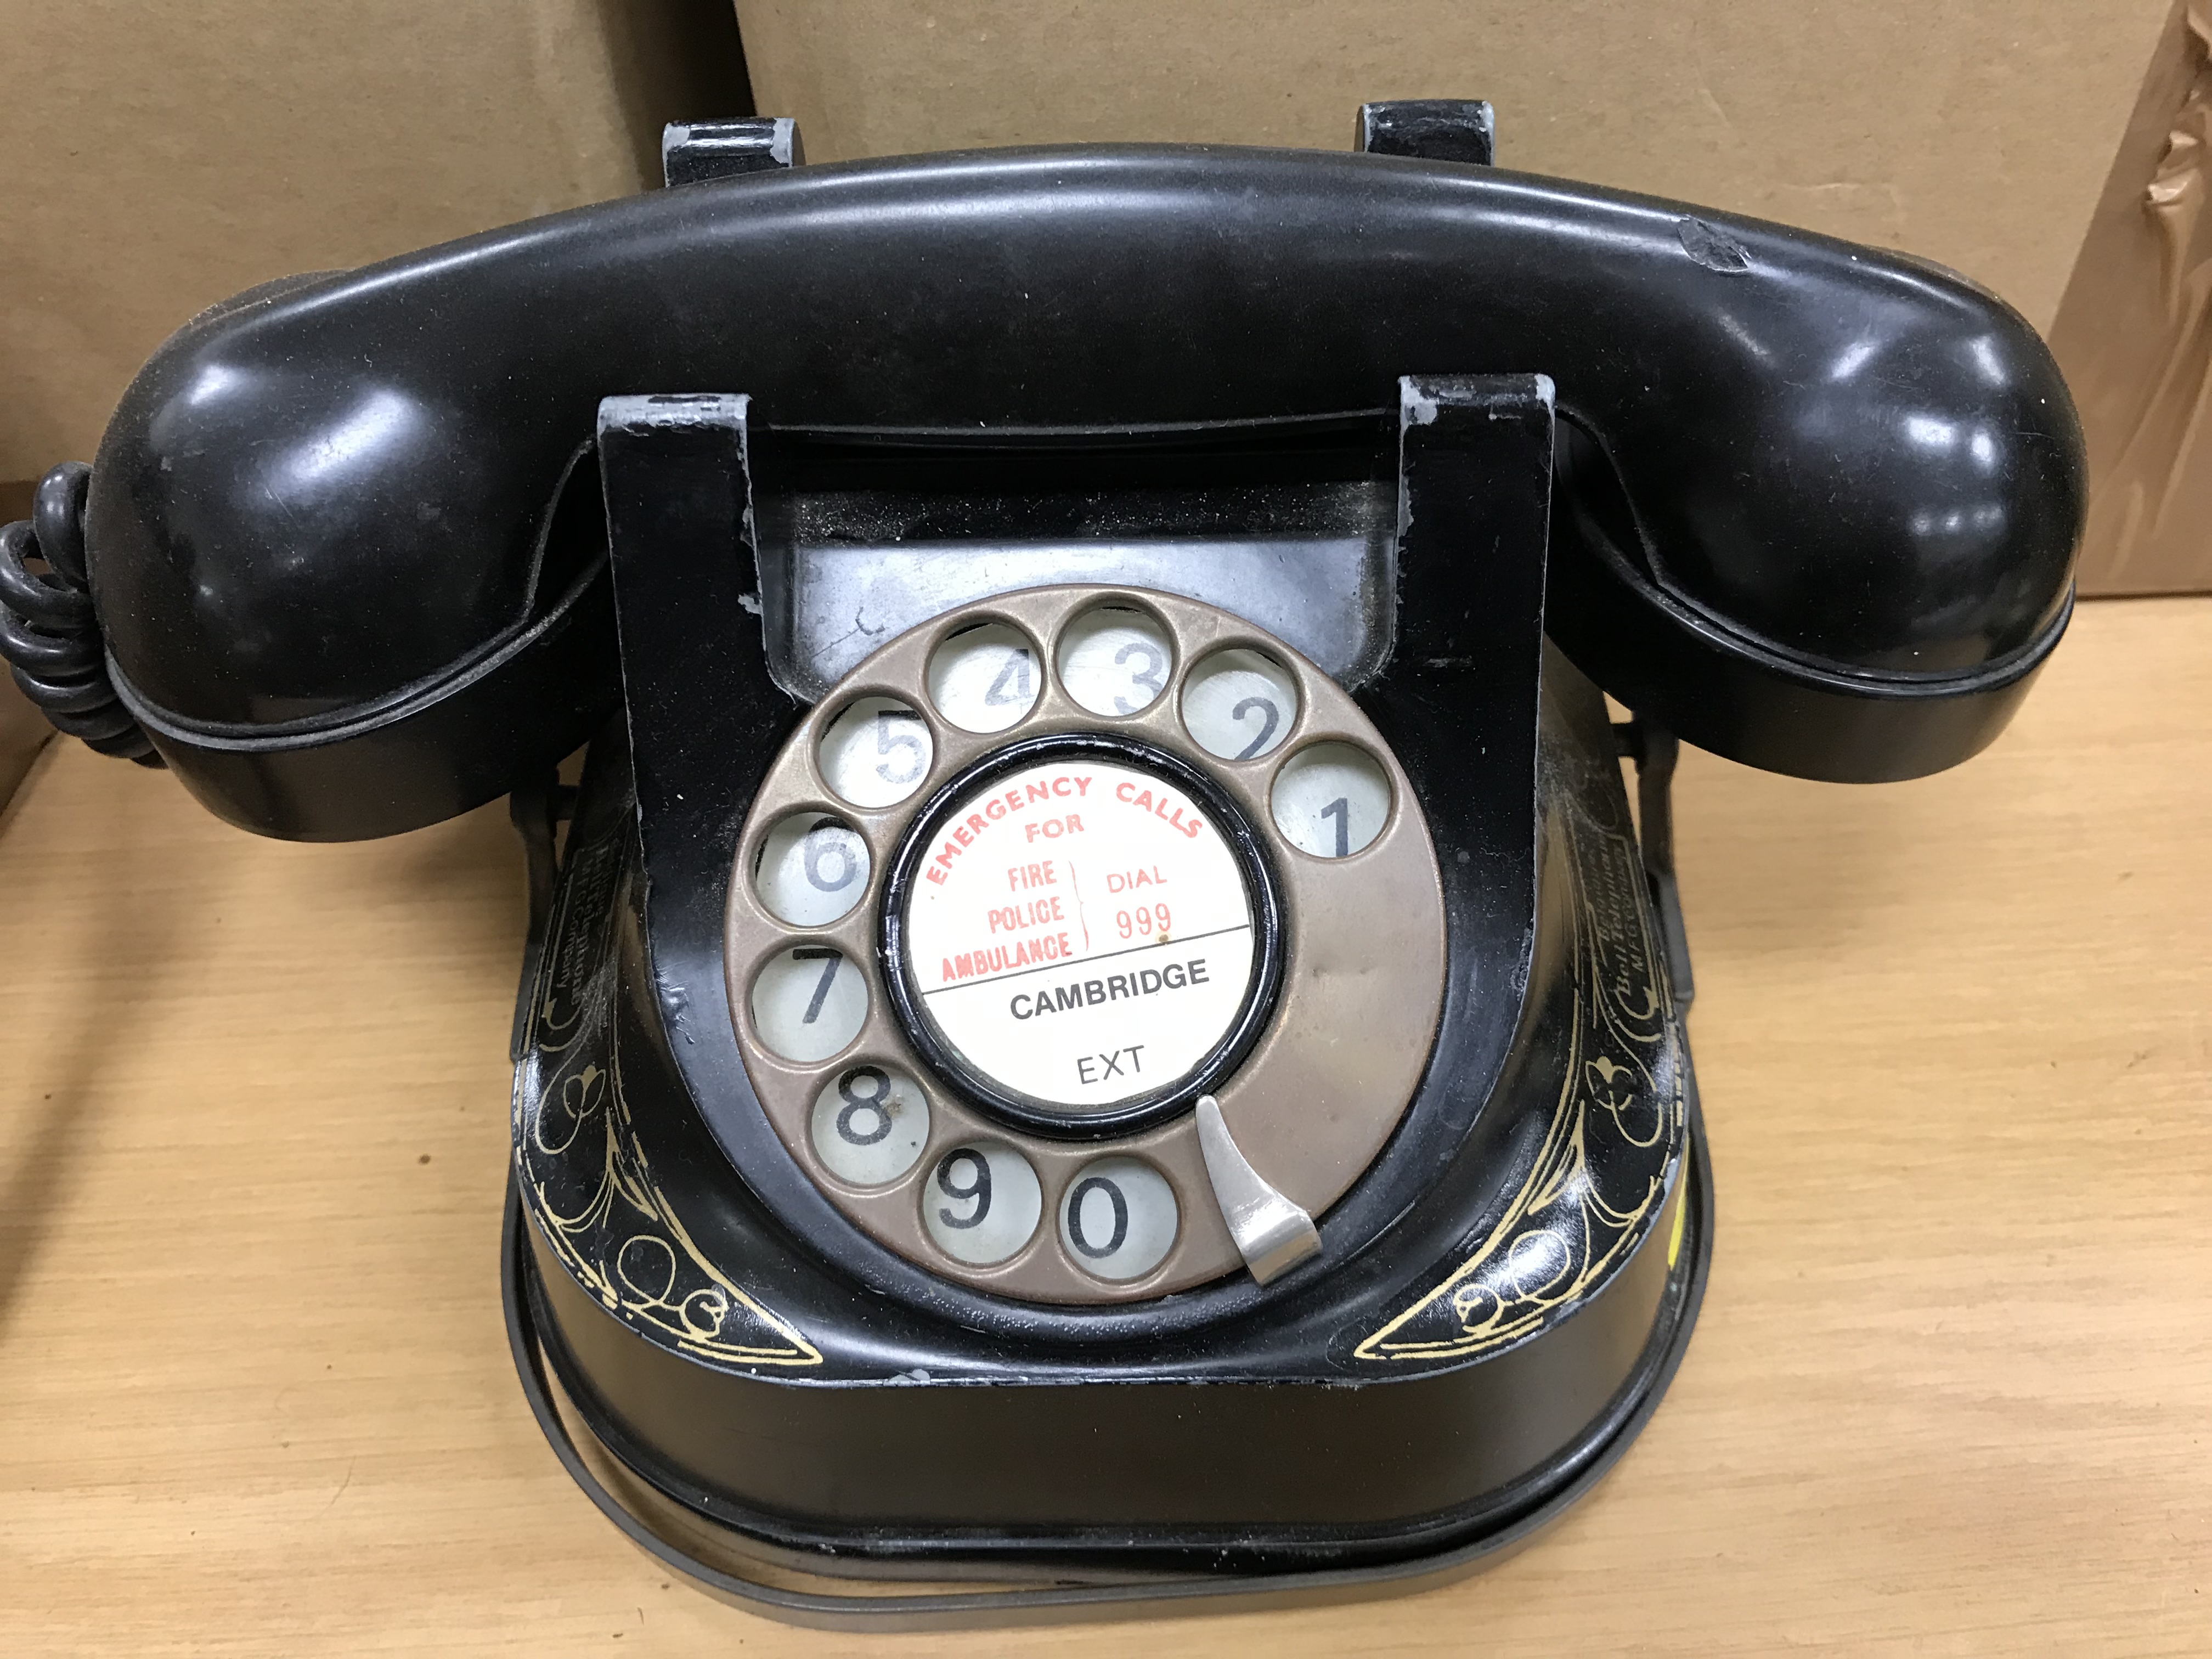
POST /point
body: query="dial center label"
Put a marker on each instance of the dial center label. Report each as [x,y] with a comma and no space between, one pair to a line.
[1079,931]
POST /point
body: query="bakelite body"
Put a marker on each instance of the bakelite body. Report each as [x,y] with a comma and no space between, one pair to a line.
[368,548]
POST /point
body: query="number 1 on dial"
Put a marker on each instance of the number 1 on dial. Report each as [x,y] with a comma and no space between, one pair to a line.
[1331,800]
[1340,810]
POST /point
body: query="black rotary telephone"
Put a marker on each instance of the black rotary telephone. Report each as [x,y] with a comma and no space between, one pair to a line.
[1101,1028]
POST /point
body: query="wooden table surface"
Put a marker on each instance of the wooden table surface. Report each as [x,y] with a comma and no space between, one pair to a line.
[1952,1392]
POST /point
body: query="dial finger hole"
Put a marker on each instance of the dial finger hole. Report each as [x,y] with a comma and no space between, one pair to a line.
[1114,661]
[1118,1218]
[877,752]
[1331,800]
[811,869]
[982,1202]
[870,1123]
[808,1002]
[984,678]
[1239,704]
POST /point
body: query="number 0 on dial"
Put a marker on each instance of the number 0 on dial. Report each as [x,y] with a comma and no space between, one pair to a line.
[1118,1218]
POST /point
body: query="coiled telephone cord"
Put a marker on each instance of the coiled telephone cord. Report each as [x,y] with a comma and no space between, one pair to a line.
[49,632]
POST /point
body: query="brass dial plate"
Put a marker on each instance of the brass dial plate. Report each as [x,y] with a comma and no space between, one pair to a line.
[1315,1097]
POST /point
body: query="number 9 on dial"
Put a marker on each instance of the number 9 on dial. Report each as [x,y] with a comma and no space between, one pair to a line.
[982,1202]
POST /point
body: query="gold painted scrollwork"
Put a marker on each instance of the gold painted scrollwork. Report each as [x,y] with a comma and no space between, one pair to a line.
[585,1177]
[1576,1216]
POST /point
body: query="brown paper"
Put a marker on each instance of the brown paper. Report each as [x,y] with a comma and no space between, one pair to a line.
[162,157]
[1978,132]
[2135,333]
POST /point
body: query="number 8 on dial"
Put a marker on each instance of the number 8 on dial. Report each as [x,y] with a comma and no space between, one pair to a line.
[869,1124]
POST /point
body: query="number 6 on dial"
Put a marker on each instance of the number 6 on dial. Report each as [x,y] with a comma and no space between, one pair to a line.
[811,870]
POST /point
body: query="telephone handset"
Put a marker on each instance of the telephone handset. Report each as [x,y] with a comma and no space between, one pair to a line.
[1104,1014]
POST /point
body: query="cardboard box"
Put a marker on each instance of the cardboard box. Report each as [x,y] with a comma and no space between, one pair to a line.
[161,158]
[2135,332]
[1978,133]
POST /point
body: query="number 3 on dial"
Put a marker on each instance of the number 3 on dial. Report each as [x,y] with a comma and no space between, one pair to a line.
[1114,661]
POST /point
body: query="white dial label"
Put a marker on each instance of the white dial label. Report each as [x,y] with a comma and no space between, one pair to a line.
[1079,931]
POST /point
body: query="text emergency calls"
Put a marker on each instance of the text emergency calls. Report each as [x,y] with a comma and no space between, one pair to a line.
[1079,932]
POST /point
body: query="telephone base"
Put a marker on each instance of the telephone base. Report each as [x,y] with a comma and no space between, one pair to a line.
[777,1372]
[822,1589]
